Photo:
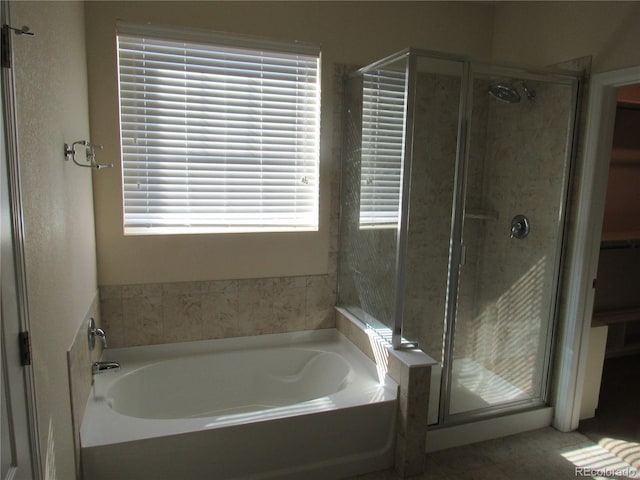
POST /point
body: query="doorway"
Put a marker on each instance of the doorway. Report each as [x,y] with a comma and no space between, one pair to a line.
[617,298]
[572,359]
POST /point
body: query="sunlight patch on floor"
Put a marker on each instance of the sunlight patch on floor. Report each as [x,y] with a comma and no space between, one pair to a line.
[609,458]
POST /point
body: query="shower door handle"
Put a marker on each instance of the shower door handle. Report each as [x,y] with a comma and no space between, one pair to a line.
[463,255]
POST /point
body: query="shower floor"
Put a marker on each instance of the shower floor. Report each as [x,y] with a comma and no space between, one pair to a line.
[474,387]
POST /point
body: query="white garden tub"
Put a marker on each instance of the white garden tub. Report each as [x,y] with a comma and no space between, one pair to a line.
[297,405]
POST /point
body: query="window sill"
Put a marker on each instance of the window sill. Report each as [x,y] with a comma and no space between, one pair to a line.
[144,231]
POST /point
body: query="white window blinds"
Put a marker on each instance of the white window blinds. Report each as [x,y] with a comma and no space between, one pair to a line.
[383,108]
[217,134]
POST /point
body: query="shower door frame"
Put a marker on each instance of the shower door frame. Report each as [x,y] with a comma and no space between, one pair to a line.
[469,67]
[455,238]
[411,54]
[397,340]
[445,418]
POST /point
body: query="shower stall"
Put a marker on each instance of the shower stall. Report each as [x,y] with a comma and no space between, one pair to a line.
[455,176]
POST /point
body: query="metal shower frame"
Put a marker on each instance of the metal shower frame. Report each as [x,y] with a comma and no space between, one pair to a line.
[470,67]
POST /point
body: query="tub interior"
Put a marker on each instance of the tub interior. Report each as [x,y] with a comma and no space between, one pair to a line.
[228,383]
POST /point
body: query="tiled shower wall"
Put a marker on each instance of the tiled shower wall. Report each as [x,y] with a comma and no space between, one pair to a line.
[516,166]
[526,147]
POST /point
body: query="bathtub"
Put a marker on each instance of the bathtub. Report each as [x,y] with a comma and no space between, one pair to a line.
[304,405]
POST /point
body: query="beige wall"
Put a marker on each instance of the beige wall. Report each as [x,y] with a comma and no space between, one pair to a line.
[52,106]
[544,33]
[349,32]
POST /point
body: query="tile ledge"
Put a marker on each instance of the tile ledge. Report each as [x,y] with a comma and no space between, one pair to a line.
[411,358]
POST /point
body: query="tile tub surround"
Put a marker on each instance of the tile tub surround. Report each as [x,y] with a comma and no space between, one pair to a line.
[411,369]
[156,313]
[79,360]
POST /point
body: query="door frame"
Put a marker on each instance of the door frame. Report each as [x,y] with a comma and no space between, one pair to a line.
[10,132]
[584,249]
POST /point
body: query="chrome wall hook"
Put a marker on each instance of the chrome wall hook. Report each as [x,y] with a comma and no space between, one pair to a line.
[90,154]
[25,30]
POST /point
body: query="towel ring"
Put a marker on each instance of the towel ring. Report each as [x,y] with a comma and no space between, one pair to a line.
[90,154]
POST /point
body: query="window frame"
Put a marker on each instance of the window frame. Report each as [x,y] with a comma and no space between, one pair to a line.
[240,42]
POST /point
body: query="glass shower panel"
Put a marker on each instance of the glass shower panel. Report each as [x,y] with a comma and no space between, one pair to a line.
[371,193]
[516,176]
[436,122]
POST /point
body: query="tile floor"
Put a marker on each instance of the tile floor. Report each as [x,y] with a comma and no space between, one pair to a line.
[544,454]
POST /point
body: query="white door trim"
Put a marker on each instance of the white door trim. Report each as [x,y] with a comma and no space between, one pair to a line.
[10,132]
[585,246]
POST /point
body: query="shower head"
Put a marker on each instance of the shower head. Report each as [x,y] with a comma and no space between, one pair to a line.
[504,92]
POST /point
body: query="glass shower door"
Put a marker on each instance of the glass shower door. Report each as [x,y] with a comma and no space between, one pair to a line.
[520,140]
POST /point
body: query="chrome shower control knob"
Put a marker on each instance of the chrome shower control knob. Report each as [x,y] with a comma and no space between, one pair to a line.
[519,227]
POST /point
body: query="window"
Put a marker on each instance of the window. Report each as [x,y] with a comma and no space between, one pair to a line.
[383,109]
[219,133]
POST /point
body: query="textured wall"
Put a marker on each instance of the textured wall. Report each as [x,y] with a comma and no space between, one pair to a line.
[546,33]
[52,106]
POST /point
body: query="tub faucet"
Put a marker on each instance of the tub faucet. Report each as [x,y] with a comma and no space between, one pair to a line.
[93,332]
[102,367]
